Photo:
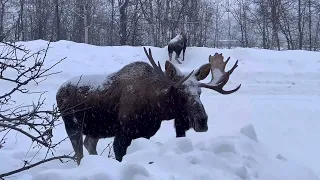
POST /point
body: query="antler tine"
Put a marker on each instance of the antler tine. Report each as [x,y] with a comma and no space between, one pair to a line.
[223,78]
[149,55]
[159,71]
[226,62]
[157,68]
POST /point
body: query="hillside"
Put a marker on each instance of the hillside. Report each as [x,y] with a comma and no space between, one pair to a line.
[267,130]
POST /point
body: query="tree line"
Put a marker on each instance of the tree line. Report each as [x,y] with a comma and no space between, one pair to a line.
[268,24]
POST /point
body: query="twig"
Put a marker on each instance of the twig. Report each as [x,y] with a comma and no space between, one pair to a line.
[109,145]
[14,46]
[25,133]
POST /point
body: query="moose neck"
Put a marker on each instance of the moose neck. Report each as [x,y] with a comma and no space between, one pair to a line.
[164,102]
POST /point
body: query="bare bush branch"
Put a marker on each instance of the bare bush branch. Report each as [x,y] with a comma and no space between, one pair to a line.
[18,69]
[36,164]
[110,149]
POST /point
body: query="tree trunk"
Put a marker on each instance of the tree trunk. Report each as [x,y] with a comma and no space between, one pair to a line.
[85,23]
[310,26]
[2,13]
[57,20]
[112,23]
[300,24]
[275,23]
[123,21]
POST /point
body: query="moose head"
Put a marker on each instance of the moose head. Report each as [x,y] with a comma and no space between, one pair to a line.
[186,90]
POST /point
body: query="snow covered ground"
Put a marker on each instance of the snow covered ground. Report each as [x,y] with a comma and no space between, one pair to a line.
[268,130]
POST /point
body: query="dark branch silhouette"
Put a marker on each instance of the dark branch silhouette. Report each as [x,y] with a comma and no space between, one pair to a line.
[31,120]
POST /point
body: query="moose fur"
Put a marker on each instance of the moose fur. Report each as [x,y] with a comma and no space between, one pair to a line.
[131,103]
[177,44]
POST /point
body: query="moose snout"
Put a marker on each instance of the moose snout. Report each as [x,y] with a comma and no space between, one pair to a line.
[201,125]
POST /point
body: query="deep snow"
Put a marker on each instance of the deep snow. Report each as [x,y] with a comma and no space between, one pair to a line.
[267,130]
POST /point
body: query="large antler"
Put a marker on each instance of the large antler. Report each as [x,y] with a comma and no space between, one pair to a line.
[219,76]
[160,72]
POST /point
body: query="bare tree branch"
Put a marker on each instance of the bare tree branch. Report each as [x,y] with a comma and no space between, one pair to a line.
[28,119]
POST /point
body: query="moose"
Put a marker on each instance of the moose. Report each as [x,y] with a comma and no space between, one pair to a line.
[177,44]
[133,101]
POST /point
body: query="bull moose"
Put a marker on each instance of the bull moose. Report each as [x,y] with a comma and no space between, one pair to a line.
[132,102]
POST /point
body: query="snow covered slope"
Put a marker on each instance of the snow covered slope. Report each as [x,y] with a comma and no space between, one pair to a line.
[267,130]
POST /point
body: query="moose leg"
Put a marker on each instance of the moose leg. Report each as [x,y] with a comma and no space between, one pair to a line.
[181,127]
[177,56]
[180,133]
[178,52]
[90,144]
[120,145]
[170,54]
[75,136]
[183,52]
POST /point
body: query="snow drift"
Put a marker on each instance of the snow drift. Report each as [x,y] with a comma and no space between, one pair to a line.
[238,157]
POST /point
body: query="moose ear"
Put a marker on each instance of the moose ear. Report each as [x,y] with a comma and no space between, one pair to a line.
[171,70]
[202,72]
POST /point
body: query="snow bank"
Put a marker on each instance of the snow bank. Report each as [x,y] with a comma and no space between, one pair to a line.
[237,157]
